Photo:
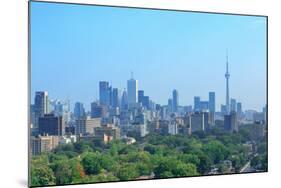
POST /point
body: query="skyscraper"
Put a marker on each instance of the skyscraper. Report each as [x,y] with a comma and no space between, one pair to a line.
[204,105]
[140,96]
[41,106]
[206,120]
[233,105]
[227,75]
[197,104]
[197,122]
[110,96]
[175,100]
[223,109]
[145,102]
[132,86]
[239,107]
[124,100]
[212,102]
[115,98]
[170,105]
[98,111]
[239,110]
[79,110]
[230,122]
[104,93]
[61,108]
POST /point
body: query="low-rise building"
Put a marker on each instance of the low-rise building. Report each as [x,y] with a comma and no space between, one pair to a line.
[87,125]
[68,139]
[107,132]
[40,144]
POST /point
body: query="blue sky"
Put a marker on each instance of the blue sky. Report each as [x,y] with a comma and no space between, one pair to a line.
[73,47]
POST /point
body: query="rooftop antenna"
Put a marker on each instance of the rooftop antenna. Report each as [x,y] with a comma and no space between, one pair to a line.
[132,75]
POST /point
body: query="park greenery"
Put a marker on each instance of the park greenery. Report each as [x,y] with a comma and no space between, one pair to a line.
[154,156]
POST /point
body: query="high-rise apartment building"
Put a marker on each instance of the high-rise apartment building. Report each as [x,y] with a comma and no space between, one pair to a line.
[233,105]
[173,128]
[230,122]
[175,100]
[197,122]
[197,104]
[239,110]
[104,93]
[212,102]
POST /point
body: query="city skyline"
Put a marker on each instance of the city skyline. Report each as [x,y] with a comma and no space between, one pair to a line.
[117,98]
[80,50]
[121,94]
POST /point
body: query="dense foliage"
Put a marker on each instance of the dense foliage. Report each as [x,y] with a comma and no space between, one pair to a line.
[155,156]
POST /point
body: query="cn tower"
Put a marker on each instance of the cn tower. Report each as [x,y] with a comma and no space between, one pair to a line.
[227,75]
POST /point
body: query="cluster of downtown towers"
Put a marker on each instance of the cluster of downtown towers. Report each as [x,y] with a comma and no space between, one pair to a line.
[132,106]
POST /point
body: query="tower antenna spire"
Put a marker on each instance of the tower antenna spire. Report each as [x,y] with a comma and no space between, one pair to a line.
[227,75]
[227,60]
[132,75]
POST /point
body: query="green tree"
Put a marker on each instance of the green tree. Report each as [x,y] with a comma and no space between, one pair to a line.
[189,158]
[42,175]
[81,147]
[205,164]
[102,177]
[193,146]
[174,167]
[64,147]
[63,173]
[107,162]
[182,169]
[68,171]
[128,171]
[151,149]
[91,163]
[144,169]
[216,151]
[57,157]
